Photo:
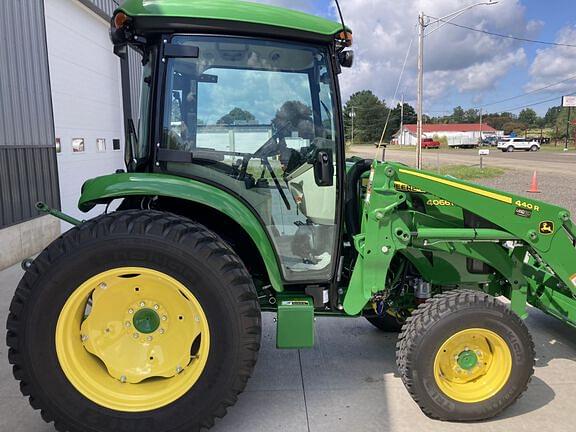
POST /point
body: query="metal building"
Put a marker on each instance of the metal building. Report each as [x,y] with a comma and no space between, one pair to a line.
[60,114]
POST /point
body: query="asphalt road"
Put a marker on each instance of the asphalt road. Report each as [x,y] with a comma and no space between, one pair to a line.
[542,161]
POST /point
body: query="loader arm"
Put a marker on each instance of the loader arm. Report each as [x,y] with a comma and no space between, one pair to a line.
[529,244]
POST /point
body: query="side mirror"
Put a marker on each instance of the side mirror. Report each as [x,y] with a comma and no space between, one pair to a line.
[346,58]
[323,168]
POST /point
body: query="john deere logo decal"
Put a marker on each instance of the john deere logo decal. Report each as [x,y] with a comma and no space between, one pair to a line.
[546,227]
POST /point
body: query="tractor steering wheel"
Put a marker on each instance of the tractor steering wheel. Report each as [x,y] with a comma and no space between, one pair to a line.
[270,148]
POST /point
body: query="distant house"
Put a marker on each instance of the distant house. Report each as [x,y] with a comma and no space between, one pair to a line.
[455,133]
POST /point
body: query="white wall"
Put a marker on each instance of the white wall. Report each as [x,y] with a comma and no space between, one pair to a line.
[86,97]
[453,137]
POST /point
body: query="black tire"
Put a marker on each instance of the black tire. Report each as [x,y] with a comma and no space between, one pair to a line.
[183,249]
[438,319]
[386,323]
[510,149]
[534,148]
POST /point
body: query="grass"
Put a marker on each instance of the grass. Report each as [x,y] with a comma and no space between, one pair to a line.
[551,148]
[465,172]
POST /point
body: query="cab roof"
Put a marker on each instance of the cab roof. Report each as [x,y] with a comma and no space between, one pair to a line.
[231,12]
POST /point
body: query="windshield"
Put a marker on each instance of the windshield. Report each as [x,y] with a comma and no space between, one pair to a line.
[253,114]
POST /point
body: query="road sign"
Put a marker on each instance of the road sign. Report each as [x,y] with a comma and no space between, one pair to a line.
[569,101]
[483,152]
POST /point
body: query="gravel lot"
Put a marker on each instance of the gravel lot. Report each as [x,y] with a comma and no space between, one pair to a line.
[556,171]
[555,188]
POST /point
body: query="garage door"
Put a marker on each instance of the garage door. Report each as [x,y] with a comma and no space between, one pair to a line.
[86,97]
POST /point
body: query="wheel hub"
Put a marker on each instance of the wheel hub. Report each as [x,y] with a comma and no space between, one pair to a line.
[146,321]
[467,360]
[141,327]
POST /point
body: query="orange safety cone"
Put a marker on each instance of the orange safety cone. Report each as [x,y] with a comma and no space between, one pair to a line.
[534,184]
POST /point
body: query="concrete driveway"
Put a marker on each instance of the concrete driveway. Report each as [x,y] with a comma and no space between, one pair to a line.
[347,382]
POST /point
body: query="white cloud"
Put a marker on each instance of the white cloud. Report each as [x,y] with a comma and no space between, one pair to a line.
[455,59]
[554,64]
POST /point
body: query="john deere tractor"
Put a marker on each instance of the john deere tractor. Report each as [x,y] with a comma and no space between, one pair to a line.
[237,199]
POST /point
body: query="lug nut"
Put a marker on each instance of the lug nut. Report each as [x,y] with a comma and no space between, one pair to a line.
[149,338]
[84,338]
[127,324]
[178,369]
[122,379]
[142,304]
[196,318]
[164,317]
[135,335]
[130,311]
[156,307]
[103,285]
[161,331]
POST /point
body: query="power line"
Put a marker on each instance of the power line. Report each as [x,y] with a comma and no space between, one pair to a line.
[506,36]
[535,103]
[528,93]
[571,77]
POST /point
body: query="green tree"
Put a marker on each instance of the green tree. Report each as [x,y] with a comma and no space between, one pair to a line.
[528,116]
[369,117]
[410,117]
[458,115]
[551,116]
[514,126]
[561,123]
[498,120]
[235,116]
[471,115]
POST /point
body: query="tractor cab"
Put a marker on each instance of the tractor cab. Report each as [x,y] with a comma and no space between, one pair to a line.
[250,106]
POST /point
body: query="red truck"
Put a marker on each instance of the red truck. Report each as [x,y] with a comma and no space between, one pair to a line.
[430,143]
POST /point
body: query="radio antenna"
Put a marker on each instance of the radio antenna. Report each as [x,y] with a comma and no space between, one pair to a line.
[341,17]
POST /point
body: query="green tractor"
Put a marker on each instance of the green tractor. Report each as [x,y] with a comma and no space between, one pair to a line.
[237,199]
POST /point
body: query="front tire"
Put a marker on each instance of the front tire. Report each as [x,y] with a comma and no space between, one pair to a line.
[464,356]
[534,148]
[183,286]
[510,149]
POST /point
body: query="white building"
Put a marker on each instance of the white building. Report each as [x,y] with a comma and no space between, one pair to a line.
[456,133]
[60,82]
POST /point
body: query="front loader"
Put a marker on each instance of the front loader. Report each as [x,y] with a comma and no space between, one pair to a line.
[237,199]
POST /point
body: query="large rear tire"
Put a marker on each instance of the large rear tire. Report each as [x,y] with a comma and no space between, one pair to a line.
[103,315]
[464,356]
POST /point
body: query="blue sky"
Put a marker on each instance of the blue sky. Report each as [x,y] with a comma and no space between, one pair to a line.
[463,67]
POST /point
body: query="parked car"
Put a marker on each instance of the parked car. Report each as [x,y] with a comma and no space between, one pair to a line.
[511,144]
[489,141]
[430,143]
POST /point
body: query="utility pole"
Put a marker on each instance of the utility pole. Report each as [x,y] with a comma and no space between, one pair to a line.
[402,121]
[567,129]
[420,90]
[352,114]
[480,127]
[421,27]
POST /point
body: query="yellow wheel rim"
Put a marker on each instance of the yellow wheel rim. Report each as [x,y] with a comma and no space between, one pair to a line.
[472,365]
[132,339]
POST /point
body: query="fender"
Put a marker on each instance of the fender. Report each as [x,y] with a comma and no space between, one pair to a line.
[105,188]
